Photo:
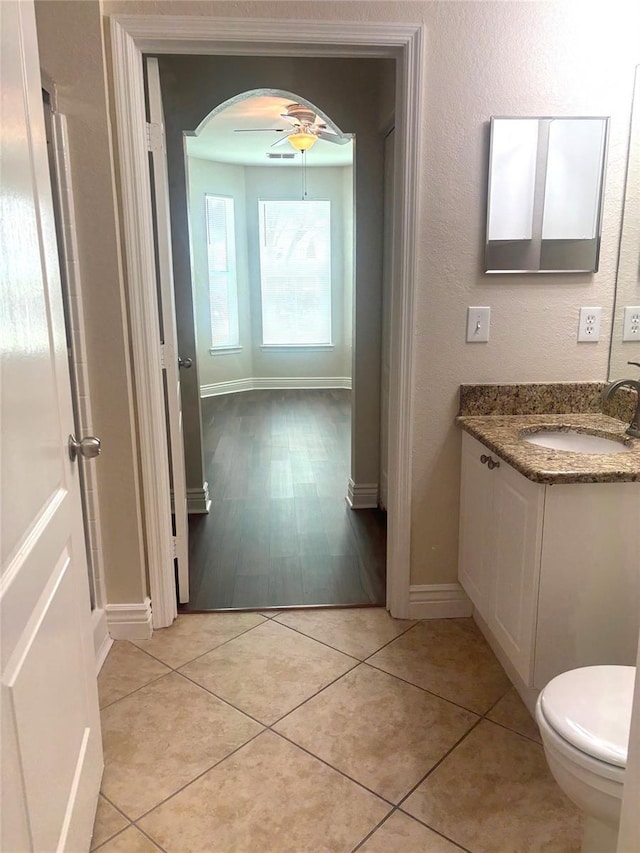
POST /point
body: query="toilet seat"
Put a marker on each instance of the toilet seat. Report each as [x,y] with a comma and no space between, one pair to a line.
[590,709]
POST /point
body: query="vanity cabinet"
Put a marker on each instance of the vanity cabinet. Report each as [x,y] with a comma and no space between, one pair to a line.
[553,571]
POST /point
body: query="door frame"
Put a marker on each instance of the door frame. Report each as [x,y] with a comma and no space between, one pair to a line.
[133,35]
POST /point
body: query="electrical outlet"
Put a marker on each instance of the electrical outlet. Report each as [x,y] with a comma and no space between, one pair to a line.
[478,321]
[631,328]
[589,328]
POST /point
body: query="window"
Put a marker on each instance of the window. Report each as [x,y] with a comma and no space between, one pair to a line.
[221,252]
[295,272]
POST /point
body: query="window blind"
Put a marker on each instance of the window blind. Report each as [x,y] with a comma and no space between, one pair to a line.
[221,253]
[295,272]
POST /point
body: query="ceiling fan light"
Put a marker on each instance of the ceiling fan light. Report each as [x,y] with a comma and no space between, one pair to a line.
[302,141]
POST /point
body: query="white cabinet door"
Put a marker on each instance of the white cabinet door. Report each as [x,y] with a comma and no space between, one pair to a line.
[518,511]
[51,744]
[476,518]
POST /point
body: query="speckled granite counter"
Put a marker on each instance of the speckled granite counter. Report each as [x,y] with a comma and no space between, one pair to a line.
[497,415]
[501,434]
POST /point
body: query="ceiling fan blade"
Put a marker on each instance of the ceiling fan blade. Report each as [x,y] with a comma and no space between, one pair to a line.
[280,141]
[331,137]
[259,130]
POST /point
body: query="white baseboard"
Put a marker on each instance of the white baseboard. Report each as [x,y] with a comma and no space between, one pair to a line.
[102,642]
[274,383]
[439,601]
[362,495]
[198,500]
[130,621]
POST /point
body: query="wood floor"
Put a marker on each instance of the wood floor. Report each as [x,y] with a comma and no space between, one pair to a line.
[279,532]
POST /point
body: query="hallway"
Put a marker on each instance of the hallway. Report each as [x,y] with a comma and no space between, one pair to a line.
[279,532]
[321,730]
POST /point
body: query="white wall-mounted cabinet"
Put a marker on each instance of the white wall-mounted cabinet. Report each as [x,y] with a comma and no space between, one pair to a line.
[553,571]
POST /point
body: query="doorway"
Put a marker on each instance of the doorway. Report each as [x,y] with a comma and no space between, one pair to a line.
[404,43]
[270,274]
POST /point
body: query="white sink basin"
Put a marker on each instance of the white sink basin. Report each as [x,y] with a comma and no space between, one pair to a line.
[575,442]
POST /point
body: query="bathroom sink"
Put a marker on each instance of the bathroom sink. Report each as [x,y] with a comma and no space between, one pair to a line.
[575,442]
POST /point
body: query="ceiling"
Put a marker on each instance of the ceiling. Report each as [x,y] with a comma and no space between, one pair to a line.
[218,141]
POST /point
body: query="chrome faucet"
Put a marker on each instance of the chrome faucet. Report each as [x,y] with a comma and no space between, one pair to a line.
[634,427]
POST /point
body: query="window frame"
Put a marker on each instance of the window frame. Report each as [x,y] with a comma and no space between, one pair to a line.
[233,342]
[309,346]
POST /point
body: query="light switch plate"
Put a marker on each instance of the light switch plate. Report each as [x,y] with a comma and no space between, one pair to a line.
[478,321]
[589,327]
[631,328]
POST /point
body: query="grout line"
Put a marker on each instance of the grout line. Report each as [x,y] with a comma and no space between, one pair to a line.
[150,837]
[201,654]
[196,778]
[137,689]
[117,808]
[322,642]
[221,698]
[374,830]
[439,762]
[317,693]
[441,834]
[107,840]
[513,731]
[335,769]
[425,690]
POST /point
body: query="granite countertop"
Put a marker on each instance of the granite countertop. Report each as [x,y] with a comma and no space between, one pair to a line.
[501,433]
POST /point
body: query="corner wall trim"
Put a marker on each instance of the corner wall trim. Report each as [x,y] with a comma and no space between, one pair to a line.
[438,601]
[198,500]
[102,642]
[362,495]
[274,383]
[130,621]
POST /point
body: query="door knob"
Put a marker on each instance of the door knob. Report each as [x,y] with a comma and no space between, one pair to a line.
[185,362]
[88,447]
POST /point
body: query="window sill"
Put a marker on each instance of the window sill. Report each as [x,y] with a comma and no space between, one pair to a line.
[223,350]
[297,347]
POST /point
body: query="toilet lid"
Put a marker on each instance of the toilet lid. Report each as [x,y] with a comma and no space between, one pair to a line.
[591,708]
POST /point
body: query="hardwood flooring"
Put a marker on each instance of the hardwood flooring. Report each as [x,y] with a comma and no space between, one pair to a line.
[279,532]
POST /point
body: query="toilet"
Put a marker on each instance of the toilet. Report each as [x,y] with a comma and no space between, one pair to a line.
[584,717]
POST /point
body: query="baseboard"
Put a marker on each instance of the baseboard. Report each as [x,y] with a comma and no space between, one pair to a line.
[102,642]
[439,601]
[198,500]
[362,495]
[130,621]
[274,383]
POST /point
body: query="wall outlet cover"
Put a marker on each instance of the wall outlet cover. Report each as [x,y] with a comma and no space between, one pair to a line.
[589,326]
[631,328]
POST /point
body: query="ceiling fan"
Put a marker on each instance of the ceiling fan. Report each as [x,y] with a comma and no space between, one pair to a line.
[305,130]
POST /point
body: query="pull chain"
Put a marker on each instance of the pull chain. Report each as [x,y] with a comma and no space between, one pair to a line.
[304,175]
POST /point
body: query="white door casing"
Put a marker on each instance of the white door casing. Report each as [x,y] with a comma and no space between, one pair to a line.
[51,742]
[133,35]
[157,146]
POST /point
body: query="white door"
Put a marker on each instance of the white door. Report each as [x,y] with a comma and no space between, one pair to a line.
[51,744]
[168,330]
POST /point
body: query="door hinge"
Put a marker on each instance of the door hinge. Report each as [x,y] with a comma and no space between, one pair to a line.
[163,361]
[154,137]
[175,546]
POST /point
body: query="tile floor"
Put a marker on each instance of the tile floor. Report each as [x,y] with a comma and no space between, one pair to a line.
[321,730]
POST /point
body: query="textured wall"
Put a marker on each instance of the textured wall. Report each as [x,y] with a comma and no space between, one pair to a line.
[71,53]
